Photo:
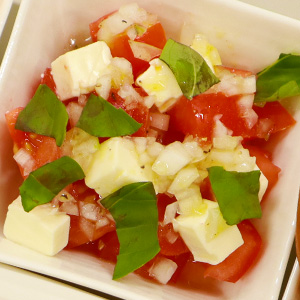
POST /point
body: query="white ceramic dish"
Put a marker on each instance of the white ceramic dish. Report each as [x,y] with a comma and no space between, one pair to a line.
[292,291]
[247,37]
[5,6]
[45,288]
[290,8]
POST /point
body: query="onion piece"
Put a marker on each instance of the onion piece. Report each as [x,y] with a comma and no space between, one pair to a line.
[144,51]
[170,213]
[159,121]
[102,222]
[87,227]
[172,236]
[163,269]
[70,208]
[152,133]
[245,104]
[25,160]
[90,211]
[74,111]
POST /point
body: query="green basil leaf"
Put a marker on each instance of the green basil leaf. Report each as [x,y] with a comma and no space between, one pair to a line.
[134,210]
[43,184]
[45,114]
[192,73]
[100,118]
[236,193]
[279,80]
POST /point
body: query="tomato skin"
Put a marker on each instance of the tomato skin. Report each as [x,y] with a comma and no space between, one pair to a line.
[196,117]
[43,149]
[155,36]
[275,112]
[110,247]
[47,79]
[120,48]
[78,237]
[237,263]
[264,162]
[94,26]
[165,232]
[137,111]
[18,136]
[166,247]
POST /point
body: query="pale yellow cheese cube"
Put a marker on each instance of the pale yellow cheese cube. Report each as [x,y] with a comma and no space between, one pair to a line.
[43,229]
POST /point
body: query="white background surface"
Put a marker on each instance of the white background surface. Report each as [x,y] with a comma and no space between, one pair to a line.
[17,284]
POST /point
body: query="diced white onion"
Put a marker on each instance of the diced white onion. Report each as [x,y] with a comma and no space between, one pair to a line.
[152,133]
[74,111]
[232,83]
[245,104]
[69,208]
[130,95]
[88,228]
[82,99]
[172,236]
[159,121]
[170,212]
[25,160]
[102,222]
[220,129]
[163,270]
[144,51]
[89,211]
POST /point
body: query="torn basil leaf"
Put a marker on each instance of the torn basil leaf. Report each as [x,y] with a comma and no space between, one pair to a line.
[45,114]
[236,193]
[43,184]
[100,118]
[279,80]
[192,73]
[134,210]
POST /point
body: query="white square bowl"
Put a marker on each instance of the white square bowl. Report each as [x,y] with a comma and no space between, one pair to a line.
[292,291]
[5,6]
[247,37]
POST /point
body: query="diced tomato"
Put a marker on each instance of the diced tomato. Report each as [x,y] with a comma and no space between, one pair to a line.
[47,79]
[47,151]
[166,233]
[94,26]
[192,276]
[155,36]
[83,231]
[264,162]
[18,136]
[237,263]
[239,72]
[120,48]
[275,112]
[109,247]
[163,200]
[137,111]
[167,246]
[43,149]
[180,260]
[206,190]
[197,117]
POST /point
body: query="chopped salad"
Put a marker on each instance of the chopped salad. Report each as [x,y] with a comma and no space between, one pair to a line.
[149,152]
